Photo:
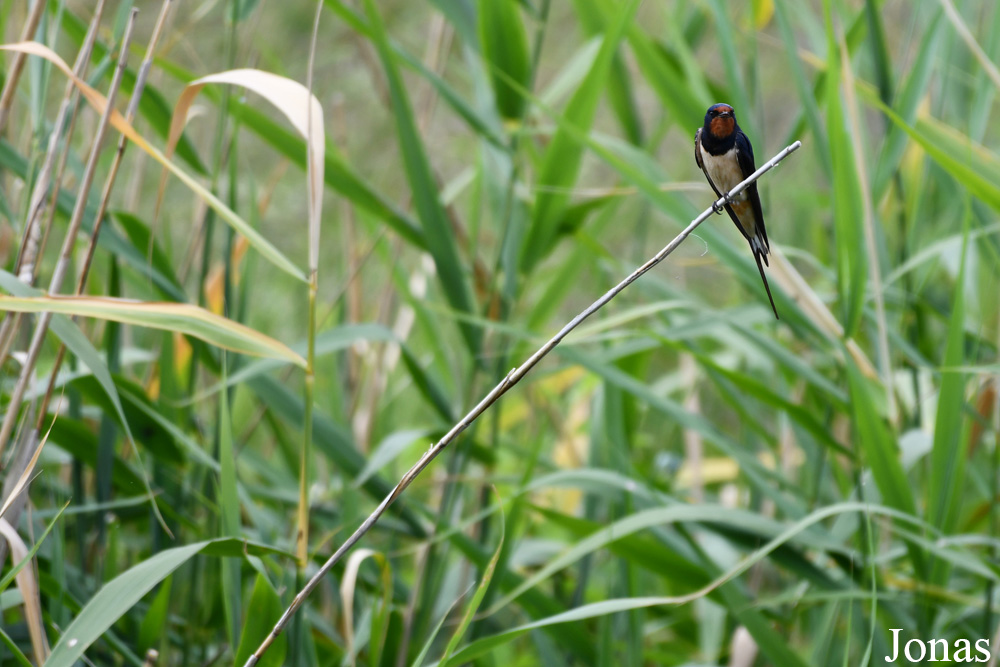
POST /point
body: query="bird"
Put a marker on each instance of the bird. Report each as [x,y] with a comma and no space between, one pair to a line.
[724,153]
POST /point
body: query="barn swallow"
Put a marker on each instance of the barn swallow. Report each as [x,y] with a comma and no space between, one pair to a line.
[725,155]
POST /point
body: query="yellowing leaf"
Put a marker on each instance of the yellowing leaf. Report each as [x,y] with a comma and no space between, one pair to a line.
[153,386]
[239,252]
[182,354]
[763,10]
[215,288]
[181,317]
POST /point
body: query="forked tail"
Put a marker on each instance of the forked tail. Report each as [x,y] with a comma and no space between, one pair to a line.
[757,256]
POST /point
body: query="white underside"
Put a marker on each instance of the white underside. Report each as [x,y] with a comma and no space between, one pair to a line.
[724,170]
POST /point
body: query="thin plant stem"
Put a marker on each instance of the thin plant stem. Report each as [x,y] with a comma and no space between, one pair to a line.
[14,75]
[511,379]
[302,533]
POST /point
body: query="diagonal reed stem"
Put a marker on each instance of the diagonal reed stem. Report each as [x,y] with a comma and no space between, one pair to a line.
[512,378]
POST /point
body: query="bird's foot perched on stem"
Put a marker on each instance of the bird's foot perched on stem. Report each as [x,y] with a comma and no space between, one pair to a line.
[725,202]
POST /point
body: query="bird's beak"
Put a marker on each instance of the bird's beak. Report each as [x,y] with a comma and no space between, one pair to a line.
[726,114]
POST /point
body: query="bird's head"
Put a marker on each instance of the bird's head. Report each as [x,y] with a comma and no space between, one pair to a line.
[720,120]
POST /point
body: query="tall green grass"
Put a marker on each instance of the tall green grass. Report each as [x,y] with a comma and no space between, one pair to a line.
[686,481]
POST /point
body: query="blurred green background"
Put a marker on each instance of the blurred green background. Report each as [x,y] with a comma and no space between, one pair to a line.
[684,481]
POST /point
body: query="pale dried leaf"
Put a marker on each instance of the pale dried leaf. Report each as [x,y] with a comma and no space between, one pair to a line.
[293,100]
[28,585]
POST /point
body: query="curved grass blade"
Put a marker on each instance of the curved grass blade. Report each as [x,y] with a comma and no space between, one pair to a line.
[263,610]
[480,593]
[679,513]
[486,127]
[881,455]
[852,268]
[338,174]
[972,165]
[564,156]
[437,227]
[180,317]
[504,43]
[298,105]
[623,99]
[951,427]
[99,102]
[80,346]
[121,594]
[348,584]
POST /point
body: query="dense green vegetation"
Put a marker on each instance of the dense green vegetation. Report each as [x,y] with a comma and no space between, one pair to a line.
[683,481]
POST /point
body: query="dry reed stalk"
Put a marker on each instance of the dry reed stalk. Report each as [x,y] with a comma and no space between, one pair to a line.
[32,241]
[14,75]
[109,183]
[69,241]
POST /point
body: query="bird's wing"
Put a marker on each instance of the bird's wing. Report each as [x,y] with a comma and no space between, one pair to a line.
[697,151]
[744,154]
[718,193]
